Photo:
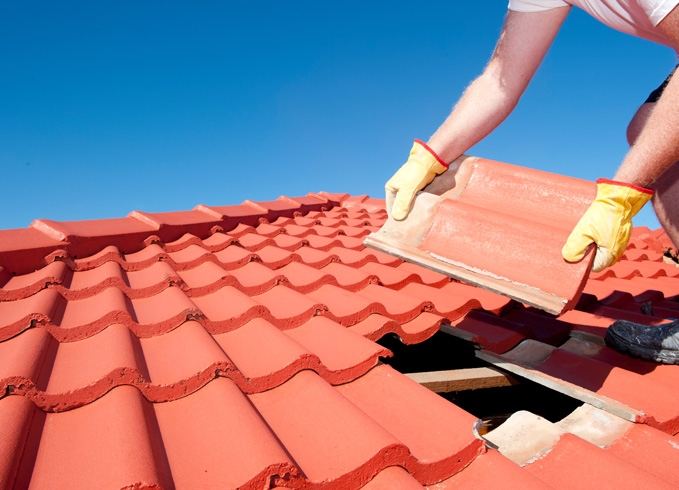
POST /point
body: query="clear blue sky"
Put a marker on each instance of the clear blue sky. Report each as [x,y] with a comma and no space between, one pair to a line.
[109,107]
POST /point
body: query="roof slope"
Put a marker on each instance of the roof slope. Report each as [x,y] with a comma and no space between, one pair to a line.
[233,347]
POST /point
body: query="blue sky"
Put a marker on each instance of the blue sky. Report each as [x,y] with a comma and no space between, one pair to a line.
[110,107]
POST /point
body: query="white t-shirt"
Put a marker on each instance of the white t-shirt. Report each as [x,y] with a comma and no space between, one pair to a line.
[636,17]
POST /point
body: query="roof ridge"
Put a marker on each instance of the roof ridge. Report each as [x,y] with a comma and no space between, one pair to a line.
[23,250]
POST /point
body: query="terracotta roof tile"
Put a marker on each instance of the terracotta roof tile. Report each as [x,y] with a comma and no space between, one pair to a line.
[636,255]
[282,353]
[660,405]
[288,307]
[135,284]
[399,306]
[493,471]
[393,477]
[346,307]
[214,242]
[658,373]
[240,229]
[234,256]
[313,257]
[519,253]
[490,332]
[426,276]
[227,309]
[348,277]
[432,429]
[70,444]
[289,242]
[209,277]
[556,468]
[489,301]
[336,347]
[334,442]
[188,257]
[24,249]
[526,268]
[268,230]
[445,304]
[16,413]
[216,435]
[376,326]
[19,287]
[640,447]
[325,243]
[255,278]
[36,310]
[22,359]
[237,344]
[391,277]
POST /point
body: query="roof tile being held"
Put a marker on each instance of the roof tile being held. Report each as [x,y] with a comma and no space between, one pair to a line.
[497,226]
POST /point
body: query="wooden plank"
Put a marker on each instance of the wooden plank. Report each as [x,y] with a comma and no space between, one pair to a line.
[462,379]
[523,361]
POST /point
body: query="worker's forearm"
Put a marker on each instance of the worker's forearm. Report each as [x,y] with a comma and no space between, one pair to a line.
[487,102]
[657,146]
[484,105]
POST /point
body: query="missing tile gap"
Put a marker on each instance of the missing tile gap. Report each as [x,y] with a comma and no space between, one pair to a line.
[449,366]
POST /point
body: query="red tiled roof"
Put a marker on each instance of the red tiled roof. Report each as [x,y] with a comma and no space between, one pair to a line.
[234,347]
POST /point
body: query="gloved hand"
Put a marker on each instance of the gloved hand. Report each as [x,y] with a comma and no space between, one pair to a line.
[420,169]
[607,222]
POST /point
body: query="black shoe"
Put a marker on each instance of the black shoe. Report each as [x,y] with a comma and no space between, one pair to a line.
[659,343]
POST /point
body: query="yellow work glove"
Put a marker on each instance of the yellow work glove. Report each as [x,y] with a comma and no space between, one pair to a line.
[607,222]
[420,169]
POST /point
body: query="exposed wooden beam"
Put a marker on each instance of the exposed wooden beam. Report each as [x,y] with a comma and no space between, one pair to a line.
[462,379]
[525,361]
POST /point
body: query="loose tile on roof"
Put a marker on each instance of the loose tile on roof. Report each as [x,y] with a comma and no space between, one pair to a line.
[477,223]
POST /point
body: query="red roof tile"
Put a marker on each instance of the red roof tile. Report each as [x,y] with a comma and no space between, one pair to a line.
[493,471]
[659,404]
[235,346]
[479,224]
[641,446]
[393,477]
[570,465]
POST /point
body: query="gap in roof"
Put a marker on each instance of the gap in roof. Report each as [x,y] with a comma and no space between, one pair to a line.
[438,353]
[493,405]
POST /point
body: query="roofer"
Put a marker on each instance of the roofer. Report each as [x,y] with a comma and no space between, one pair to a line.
[649,170]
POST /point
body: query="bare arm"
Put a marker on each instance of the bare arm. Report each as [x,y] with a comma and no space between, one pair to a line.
[523,42]
[657,146]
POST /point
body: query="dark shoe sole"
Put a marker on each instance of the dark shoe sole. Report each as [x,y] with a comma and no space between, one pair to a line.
[649,354]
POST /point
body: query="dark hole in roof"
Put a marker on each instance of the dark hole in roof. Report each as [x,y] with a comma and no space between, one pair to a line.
[492,405]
